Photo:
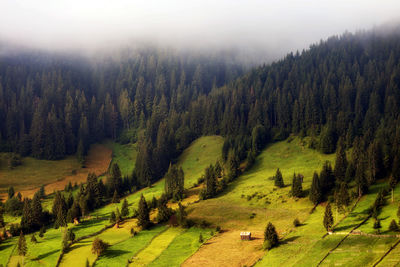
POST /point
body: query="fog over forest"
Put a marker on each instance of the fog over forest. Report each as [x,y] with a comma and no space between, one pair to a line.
[255,30]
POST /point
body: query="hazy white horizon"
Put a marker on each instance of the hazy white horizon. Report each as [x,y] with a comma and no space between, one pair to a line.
[272,26]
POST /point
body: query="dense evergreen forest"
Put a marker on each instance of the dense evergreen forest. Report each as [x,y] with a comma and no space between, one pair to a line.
[343,90]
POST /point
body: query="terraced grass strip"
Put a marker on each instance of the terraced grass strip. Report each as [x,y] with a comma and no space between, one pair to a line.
[156,247]
[119,254]
[181,248]
[387,253]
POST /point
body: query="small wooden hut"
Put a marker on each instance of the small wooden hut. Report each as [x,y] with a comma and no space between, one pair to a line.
[245,235]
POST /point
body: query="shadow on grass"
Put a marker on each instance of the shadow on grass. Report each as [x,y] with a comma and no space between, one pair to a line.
[42,256]
[5,246]
[288,240]
[113,253]
[345,227]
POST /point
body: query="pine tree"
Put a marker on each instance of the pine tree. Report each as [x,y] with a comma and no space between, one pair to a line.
[342,197]
[341,162]
[181,215]
[143,213]
[70,235]
[164,213]
[118,218]
[114,180]
[361,180]
[42,231]
[113,217]
[328,218]
[2,223]
[42,193]
[270,236]
[377,226]
[297,188]
[125,208]
[278,179]
[33,238]
[315,191]
[115,198]
[22,248]
[392,185]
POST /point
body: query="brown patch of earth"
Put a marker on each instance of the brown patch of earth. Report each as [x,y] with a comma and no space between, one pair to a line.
[97,161]
[227,249]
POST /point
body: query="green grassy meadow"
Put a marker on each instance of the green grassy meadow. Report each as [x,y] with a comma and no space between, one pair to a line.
[192,169]
[33,172]
[124,155]
[247,204]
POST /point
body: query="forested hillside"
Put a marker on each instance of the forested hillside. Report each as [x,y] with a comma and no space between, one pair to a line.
[343,88]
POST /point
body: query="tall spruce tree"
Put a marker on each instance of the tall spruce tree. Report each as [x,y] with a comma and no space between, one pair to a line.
[316,190]
[297,188]
[143,213]
[22,247]
[341,162]
[278,179]
[271,236]
[328,218]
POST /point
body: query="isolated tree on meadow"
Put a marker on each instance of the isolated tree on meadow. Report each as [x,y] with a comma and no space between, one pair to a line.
[278,179]
[270,236]
[99,246]
[315,191]
[297,188]
[22,248]
[328,218]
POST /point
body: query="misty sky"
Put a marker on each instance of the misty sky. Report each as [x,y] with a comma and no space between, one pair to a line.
[277,26]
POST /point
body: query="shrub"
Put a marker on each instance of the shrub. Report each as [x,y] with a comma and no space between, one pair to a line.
[296,222]
[99,246]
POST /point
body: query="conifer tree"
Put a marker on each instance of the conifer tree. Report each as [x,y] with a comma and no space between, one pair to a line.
[315,191]
[270,236]
[33,238]
[115,198]
[328,218]
[392,185]
[143,213]
[22,248]
[164,213]
[278,179]
[125,208]
[297,188]
[113,217]
[342,196]
[341,162]
[361,180]
[181,215]
[377,226]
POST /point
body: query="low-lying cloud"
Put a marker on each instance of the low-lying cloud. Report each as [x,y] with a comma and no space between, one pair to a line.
[273,27]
